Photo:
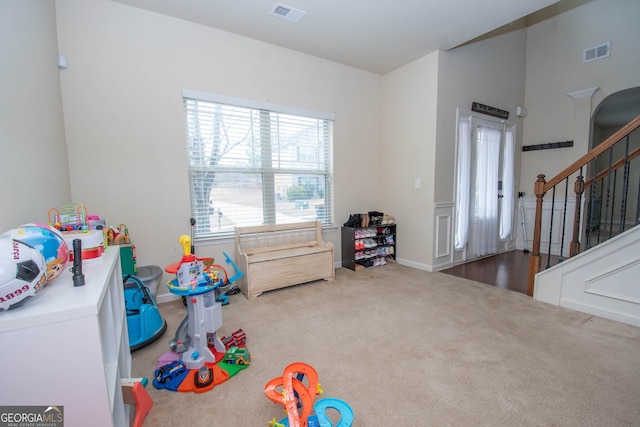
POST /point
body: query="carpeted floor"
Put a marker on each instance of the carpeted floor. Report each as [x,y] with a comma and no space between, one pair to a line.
[405,347]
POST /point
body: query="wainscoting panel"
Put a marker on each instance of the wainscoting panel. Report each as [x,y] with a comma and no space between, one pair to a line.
[620,283]
[443,214]
[602,281]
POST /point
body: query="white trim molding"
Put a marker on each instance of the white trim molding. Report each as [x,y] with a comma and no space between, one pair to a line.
[584,93]
[601,281]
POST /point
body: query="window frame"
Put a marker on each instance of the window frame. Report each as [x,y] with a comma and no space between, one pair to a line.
[327,171]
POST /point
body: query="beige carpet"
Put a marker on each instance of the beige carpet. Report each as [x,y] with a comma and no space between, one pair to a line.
[410,348]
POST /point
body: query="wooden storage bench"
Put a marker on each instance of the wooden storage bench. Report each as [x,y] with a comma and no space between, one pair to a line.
[277,256]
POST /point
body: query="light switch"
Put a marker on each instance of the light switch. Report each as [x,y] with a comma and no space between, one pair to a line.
[418,183]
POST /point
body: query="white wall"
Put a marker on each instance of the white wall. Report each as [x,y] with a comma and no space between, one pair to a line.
[34,172]
[420,101]
[555,68]
[410,95]
[125,125]
[491,72]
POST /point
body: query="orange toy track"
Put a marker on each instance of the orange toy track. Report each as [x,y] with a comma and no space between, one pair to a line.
[291,386]
[219,376]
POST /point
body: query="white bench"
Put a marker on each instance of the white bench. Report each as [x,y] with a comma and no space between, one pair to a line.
[277,256]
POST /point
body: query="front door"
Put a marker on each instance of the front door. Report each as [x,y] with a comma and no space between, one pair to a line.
[489,189]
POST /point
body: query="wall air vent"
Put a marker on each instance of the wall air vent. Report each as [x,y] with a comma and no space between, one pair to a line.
[597,52]
[287,12]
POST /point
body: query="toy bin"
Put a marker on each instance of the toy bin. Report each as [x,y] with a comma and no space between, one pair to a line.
[150,276]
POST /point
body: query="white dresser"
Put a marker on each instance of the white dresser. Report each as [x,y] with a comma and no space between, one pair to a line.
[68,346]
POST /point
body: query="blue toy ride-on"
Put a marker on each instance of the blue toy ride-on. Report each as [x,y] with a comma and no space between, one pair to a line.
[144,322]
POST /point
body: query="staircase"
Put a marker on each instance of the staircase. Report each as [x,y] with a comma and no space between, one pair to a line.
[589,223]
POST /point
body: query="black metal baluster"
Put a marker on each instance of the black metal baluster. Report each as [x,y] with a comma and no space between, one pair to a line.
[606,207]
[592,207]
[600,212]
[553,204]
[625,188]
[564,218]
[613,201]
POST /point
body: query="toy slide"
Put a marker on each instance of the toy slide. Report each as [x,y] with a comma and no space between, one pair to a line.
[297,399]
[320,408]
[345,411]
[292,387]
[289,397]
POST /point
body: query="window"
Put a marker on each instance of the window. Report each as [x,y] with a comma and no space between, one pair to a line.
[251,163]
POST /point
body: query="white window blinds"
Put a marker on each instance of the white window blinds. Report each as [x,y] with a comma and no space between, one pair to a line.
[253,166]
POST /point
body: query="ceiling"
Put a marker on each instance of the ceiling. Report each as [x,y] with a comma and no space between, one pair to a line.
[373,35]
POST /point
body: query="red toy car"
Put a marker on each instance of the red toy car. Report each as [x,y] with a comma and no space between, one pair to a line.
[235,339]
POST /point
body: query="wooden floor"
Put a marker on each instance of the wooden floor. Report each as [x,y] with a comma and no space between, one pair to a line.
[507,270]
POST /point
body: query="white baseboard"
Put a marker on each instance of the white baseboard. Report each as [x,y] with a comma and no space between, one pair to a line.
[417,265]
[166,298]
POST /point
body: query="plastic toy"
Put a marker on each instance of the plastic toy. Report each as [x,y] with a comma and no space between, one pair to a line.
[73,217]
[237,339]
[297,399]
[237,355]
[122,237]
[135,394]
[22,273]
[196,344]
[171,372]
[92,243]
[144,322]
[143,404]
[49,241]
[204,314]
[204,377]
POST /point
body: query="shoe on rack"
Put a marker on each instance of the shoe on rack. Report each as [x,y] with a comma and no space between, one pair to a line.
[375,217]
[353,221]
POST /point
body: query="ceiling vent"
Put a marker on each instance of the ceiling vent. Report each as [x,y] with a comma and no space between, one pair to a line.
[287,12]
[597,52]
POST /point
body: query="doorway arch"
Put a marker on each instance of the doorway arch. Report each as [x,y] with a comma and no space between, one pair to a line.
[615,111]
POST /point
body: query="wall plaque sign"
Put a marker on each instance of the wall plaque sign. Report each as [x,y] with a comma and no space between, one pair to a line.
[490,111]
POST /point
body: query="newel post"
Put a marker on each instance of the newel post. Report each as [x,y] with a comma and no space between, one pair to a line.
[578,188]
[534,259]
